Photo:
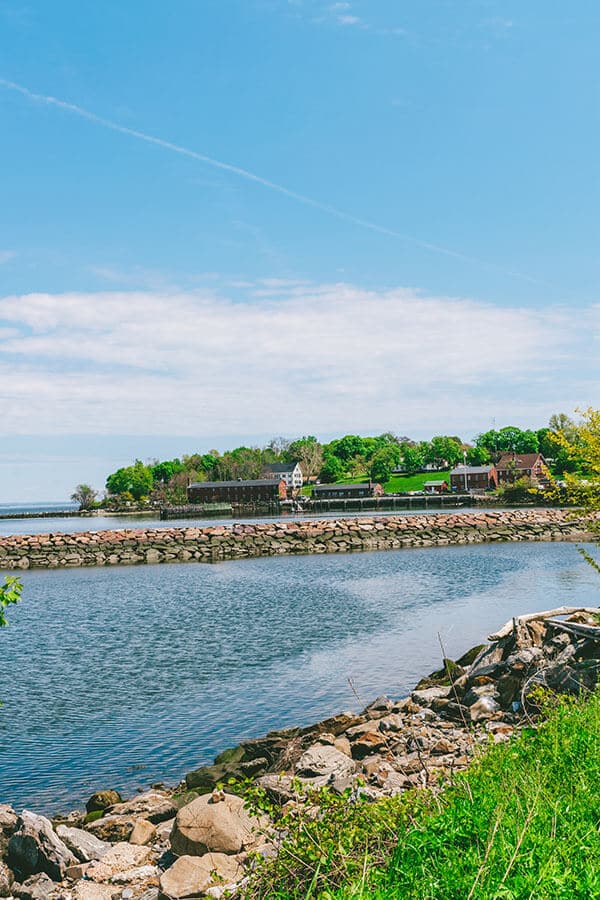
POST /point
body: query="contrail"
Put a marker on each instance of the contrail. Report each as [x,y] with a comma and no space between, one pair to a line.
[251,176]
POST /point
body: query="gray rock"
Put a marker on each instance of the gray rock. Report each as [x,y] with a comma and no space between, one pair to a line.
[321,759]
[211,826]
[8,824]
[35,848]
[38,887]
[83,844]
[155,806]
[6,880]
[427,695]
[485,707]
[192,876]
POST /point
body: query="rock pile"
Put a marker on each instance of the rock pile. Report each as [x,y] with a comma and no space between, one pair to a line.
[197,841]
[136,545]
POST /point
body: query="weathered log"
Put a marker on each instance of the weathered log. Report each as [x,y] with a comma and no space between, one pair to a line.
[592,632]
[509,627]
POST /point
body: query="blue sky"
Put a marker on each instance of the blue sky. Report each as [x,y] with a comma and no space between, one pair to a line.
[398,228]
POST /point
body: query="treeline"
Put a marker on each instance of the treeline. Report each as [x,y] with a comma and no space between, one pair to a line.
[349,456]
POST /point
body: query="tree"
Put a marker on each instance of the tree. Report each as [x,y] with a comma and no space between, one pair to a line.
[478,456]
[412,456]
[443,449]
[162,472]
[308,452]
[383,462]
[85,496]
[347,447]
[136,480]
[331,470]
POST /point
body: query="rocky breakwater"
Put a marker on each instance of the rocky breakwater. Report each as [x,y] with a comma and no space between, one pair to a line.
[199,840]
[214,543]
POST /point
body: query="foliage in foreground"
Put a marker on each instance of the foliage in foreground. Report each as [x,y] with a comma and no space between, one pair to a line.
[522,822]
[10,592]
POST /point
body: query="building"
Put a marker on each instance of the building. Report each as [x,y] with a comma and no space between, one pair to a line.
[260,490]
[512,466]
[473,478]
[291,473]
[435,487]
[346,491]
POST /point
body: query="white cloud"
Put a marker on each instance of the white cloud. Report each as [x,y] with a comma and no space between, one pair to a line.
[6,256]
[320,358]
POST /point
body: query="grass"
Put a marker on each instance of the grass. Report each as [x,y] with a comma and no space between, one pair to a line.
[522,823]
[397,484]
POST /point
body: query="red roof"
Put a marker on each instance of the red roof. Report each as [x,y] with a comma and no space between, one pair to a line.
[519,461]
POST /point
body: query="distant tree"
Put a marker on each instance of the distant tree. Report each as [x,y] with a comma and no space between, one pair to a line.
[443,449]
[136,480]
[383,462]
[347,447]
[162,472]
[308,452]
[85,496]
[413,457]
[331,470]
[278,446]
[478,456]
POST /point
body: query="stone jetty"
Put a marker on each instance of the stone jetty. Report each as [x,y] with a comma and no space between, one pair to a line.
[198,840]
[218,542]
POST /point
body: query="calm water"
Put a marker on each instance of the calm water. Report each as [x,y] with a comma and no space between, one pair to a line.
[120,677]
[115,523]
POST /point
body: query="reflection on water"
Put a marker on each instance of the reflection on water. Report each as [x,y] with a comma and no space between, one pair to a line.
[120,677]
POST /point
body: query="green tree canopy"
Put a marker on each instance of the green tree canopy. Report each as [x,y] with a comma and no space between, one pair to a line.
[136,480]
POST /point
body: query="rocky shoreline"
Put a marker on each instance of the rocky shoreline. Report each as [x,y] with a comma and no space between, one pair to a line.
[237,541]
[199,839]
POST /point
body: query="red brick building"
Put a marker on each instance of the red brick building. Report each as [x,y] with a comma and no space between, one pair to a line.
[262,490]
[473,478]
[512,466]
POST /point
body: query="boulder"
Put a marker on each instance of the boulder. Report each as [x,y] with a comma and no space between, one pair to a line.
[191,876]
[119,858]
[87,890]
[112,828]
[38,887]
[155,806]
[102,800]
[8,824]
[218,826]
[143,832]
[82,844]
[6,880]
[322,759]
[485,707]
[35,848]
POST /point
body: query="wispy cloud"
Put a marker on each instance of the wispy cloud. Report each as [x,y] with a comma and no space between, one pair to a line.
[288,358]
[246,174]
[6,256]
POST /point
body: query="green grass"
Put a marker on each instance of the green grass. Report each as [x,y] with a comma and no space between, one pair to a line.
[397,484]
[522,823]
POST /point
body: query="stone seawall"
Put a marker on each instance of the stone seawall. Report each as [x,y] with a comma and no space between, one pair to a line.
[215,543]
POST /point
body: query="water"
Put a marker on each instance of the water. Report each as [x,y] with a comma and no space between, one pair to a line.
[120,677]
[116,523]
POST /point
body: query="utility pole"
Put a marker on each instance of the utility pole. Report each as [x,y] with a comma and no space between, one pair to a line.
[465,464]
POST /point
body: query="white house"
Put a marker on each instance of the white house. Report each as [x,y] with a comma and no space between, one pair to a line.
[291,473]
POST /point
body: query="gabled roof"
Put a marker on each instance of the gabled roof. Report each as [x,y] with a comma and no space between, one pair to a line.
[471,470]
[276,468]
[519,460]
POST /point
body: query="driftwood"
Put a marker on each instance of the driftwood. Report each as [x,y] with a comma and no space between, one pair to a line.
[577,628]
[512,624]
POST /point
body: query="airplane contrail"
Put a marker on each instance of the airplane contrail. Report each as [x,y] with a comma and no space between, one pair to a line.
[251,176]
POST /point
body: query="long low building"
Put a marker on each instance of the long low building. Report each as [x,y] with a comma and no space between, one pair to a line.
[259,490]
[346,491]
